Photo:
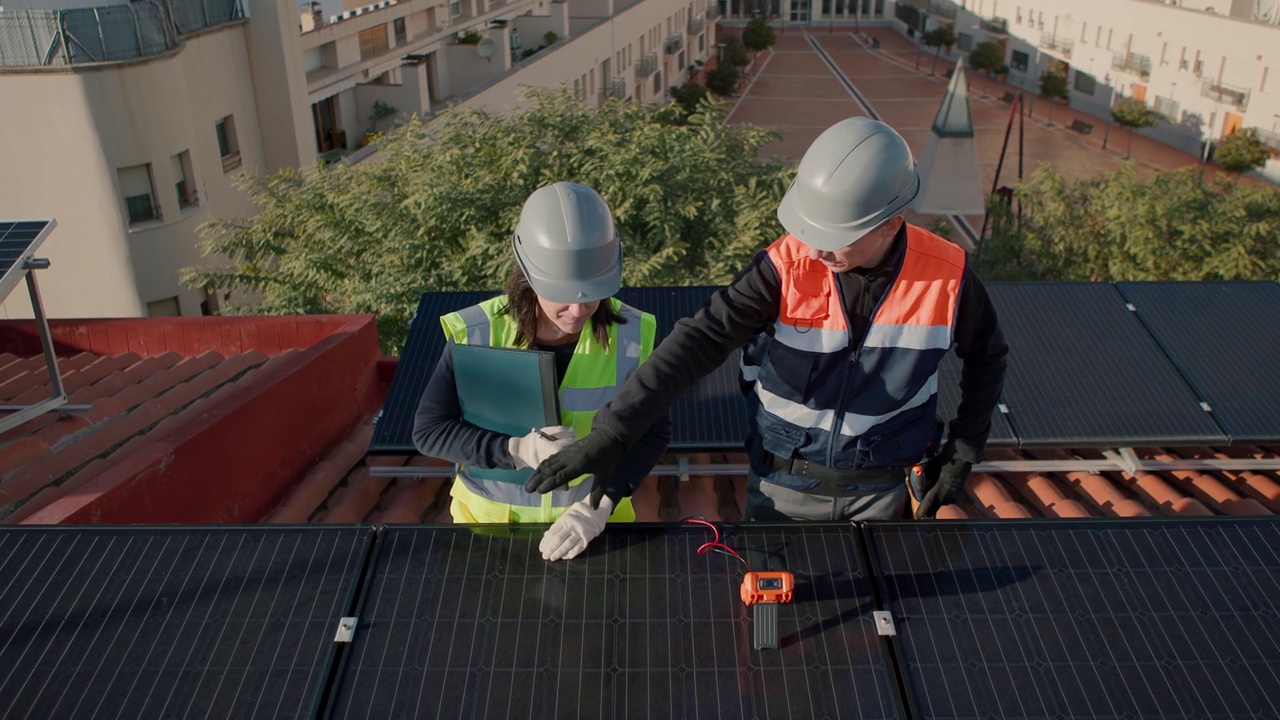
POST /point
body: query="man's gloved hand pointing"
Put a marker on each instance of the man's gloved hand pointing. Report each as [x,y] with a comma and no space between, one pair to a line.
[596,454]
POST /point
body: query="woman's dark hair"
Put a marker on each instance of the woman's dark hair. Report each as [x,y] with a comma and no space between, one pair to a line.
[522,304]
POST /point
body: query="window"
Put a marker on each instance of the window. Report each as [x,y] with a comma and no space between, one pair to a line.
[455,8]
[373,42]
[186,184]
[1019,60]
[228,144]
[657,84]
[168,307]
[964,42]
[139,194]
[1085,83]
[1167,107]
[402,33]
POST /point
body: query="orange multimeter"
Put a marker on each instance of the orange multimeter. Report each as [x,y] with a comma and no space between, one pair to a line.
[763,592]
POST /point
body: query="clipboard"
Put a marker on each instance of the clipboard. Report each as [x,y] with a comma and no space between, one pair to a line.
[506,390]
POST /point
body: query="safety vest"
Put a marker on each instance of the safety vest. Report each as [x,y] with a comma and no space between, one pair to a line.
[592,379]
[857,403]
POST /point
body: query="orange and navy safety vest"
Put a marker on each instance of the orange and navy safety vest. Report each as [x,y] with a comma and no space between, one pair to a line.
[853,403]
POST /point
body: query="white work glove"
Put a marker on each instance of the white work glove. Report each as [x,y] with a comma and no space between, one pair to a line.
[578,526]
[530,450]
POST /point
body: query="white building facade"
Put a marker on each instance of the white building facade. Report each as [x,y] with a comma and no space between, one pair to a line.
[130,122]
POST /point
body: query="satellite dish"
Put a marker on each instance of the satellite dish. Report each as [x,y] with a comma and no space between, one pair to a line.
[486,47]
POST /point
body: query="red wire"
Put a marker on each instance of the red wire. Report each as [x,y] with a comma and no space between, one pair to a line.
[715,543]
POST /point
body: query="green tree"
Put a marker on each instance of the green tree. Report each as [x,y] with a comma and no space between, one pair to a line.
[987,58]
[1242,151]
[1132,113]
[723,80]
[938,38]
[758,35]
[434,208]
[735,52]
[688,96]
[1127,225]
[1053,87]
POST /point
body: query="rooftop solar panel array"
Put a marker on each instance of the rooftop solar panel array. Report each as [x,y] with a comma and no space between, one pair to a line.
[172,622]
[1225,339]
[1090,365]
[1100,619]
[1084,372]
[477,625]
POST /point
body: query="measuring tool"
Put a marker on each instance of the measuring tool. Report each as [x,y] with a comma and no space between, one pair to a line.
[763,592]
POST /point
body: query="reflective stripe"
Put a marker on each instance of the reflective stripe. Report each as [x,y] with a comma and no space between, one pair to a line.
[585,399]
[477,324]
[813,340]
[515,494]
[628,338]
[914,337]
[855,425]
[792,412]
[749,372]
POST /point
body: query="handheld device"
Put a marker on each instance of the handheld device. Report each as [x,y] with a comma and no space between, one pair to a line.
[763,592]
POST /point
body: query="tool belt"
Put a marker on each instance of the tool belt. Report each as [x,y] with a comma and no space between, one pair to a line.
[834,481]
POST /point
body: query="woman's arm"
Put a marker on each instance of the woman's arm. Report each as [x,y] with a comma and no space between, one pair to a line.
[439,430]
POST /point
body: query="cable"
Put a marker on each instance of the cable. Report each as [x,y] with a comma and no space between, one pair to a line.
[715,545]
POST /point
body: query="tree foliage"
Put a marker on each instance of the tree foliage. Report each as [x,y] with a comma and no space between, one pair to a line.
[1242,151]
[1053,85]
[1124,226]
[434,209]
[987,57]
[758,35]
[723,80]
[735,52]
[688,96]
[940,37]
[1132,113]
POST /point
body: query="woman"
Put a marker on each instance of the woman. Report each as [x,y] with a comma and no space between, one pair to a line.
[558,299]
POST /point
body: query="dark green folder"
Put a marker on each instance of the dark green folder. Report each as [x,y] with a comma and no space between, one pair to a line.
[507,391]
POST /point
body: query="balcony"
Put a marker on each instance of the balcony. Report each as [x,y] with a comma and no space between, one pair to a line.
[1223,93]
[945,10]
[1057,43]
[995,26]
[713,11]
[647,65]
[673,45]
[615,88]
[1132,63]
[1270,139]
[695,26]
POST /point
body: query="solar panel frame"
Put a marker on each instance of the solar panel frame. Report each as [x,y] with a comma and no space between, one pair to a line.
[1084,372]
[173,620]
[1144,618]
[471,622]
[1224,337]
[19,240]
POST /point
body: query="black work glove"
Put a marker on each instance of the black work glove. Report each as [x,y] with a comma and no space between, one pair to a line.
[947,477]
[596,454]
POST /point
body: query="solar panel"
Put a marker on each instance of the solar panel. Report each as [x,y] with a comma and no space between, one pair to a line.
[1225,339]
[1084,372]
[1101,619]
[949,400]
[18,241]
[393,433]
[473,623]
[172,622]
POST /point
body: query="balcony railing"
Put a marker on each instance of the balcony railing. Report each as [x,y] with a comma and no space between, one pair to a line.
[647,66]
[713,11]
[1057,43]
[674,44]
[615,88]
[1132,63]
[995,26]
[946,10]
[1270,139]
[1223,93]
[695,26]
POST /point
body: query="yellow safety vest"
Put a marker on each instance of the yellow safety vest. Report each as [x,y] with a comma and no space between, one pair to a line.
[592,379]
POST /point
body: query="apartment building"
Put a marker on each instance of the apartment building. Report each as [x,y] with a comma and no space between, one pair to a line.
[129,122]
[1208,67]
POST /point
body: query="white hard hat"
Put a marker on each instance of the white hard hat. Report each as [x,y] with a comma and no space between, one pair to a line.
[566,244]
[856,175]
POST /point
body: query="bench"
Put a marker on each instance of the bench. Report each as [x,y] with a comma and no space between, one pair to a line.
[1008,98]
[1080,126]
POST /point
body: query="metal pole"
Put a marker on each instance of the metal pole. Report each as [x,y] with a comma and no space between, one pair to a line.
[42,325]
[1022,123]
[1008,129]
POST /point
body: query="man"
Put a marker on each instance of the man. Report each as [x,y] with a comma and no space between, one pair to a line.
[851,313]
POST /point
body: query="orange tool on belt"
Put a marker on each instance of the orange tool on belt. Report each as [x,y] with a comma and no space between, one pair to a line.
[763,592]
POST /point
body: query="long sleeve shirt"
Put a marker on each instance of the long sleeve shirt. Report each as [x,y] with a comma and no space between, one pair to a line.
[439,430]
[749,306]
